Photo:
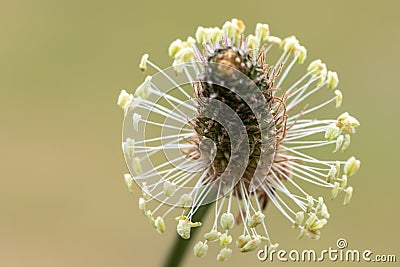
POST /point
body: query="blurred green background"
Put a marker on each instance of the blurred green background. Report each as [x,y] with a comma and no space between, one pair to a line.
[63,201]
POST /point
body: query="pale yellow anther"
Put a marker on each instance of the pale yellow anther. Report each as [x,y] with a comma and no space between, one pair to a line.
[202,35]
[124,100]
[298,219]
[149,215]
[348,193]
[322,76]
[324,211]
[145,191]
[332,80]
[185,54]
[335,190]
[332,132]
[262,32]
[290,44]
[331,174]
[347,123]
[129,147]
[224,254]
[181,217]
[310,203]
[159,225]
[239,25]
[216,34]
[252,42]
[242,240]
[137,167]
[195,224]
[346,142]
[301,54]
[205,35]
[136,118]
[129,181]
[339,98]
[142,205]
[227,221]
[263,238]
[343,183]
[321,209]
[339,143]
[251,245]
[310,221]
[175,47]
[144,90]
[212,235]
[319,205]
[200,249]
[225,239]
[143,62]
[351,167]
[318,224]
[169,188]
[190,42]
[313,234]
[177,65]
[230,29]
[186,201]
[317,68]
[337,166]
[256,219]
[183,229]
[234,28]
[274,40]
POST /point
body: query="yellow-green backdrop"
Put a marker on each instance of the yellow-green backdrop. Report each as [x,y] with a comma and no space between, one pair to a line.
[63,201]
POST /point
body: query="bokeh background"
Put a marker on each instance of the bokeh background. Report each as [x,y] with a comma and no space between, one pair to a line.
[63,201]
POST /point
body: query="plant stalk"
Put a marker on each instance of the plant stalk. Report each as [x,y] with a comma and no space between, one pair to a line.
[179,249]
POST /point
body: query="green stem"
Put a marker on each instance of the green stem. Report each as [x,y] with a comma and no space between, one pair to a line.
[178,250]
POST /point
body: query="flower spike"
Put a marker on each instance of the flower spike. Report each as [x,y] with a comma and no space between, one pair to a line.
[228,127]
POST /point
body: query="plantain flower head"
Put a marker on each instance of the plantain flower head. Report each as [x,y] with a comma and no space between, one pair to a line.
[224,125]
